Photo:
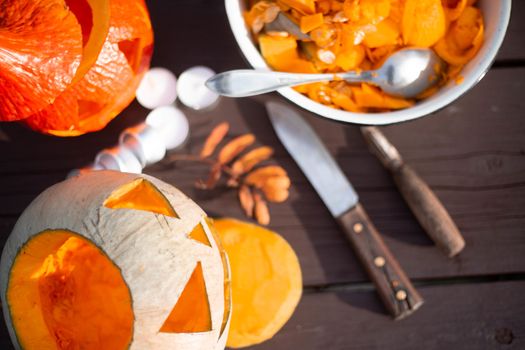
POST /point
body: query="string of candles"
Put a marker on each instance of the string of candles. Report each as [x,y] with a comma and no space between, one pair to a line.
[166,127]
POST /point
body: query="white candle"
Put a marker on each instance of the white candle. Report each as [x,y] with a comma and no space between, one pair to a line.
[192,91]
[120,159]
[146,143]
[157,88]
[171,124]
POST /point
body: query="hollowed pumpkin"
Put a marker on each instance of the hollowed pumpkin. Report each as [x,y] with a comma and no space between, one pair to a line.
[108,260]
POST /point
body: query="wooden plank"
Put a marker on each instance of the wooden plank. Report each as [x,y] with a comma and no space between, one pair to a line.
[475,316]
[513,48]
[471,153]
[190,32]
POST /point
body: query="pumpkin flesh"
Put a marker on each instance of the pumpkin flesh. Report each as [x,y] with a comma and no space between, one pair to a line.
[64,293]
[40,50]
[140,195]
[266,281]
[193,301]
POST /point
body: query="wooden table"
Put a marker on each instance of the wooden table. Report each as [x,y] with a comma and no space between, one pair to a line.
[471,153]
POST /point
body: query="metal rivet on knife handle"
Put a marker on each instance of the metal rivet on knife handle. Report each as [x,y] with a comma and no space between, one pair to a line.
[379,261]
[395,283]
[401,295]
[358,227]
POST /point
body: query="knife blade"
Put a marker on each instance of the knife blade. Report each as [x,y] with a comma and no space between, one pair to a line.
[283,23]
[425,205]
[393,286]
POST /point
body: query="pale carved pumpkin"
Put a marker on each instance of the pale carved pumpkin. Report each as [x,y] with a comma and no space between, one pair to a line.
[107,260]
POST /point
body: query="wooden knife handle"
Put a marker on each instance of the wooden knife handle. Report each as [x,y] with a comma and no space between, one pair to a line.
[395,289]
[429,211]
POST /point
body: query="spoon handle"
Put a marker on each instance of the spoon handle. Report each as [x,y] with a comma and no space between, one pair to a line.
[249,82]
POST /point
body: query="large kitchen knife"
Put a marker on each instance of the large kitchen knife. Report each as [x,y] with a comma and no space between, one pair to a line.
[395,289]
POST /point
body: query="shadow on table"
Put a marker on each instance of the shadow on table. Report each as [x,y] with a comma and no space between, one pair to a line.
[23,150]
[380,196]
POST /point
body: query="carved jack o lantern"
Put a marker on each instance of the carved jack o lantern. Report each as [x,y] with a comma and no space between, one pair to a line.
[107,260]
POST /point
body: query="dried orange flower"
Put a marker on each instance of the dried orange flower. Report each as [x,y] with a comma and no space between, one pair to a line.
[214,139]
[256,185]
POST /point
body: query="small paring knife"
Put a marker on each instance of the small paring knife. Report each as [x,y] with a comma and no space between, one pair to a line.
[306,148]
[425,205]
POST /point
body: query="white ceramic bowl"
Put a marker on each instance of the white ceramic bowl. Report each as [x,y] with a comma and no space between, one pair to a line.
[496,16]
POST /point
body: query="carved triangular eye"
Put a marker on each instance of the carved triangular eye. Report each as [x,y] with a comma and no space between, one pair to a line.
[140,195]
[192,312]
[198,234]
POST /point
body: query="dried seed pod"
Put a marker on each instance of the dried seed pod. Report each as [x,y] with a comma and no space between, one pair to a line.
[259,176]
[262,214]
[251,159]
[276,188]
[246,200]
[275,194]
[233,148]
[215,137]
[282,182]
[215,176]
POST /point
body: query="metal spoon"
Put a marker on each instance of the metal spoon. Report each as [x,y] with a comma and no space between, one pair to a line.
[406,73]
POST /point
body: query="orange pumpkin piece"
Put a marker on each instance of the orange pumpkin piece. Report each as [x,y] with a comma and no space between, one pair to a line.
[385,33]
[40,51]
[324,6]
[309,23]
[281,54]
[454,8]
[378,55]
[303,6]
[423,22]
[345,102]
[266,281]
[350,58]
[368,96]
[109,85]
[464,38]
[277,51]
[396,10]
[366,11]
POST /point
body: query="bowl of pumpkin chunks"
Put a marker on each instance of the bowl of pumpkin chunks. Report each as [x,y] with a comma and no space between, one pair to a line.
[346,35]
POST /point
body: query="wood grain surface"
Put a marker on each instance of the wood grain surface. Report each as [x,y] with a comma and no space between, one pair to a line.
[471,153]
